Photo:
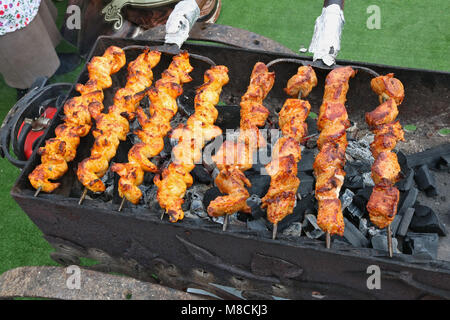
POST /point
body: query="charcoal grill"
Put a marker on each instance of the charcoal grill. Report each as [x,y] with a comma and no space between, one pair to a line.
[197,254]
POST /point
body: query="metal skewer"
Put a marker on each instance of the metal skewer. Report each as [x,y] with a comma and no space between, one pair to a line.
[122,203]
[328,240]
[83,195]
[389,241]
[37,191]
[274,231]
[162,215]
[225,223]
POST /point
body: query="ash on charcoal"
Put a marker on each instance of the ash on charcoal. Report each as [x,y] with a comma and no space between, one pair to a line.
[254,202]
[407,200]
[367,179]
[201,175]
[379,242]
[422,245]
[260,184]
[294,230]
[354,236]
[196,204]
[360,149]
[311,228]
[363,227]
[306,184]
[346,198]
[312,126]
[406,220]
[307,161]
[427,221]
[407,182]
[425,180]
[354,212]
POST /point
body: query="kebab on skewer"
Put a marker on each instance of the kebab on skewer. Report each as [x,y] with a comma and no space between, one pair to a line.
[162,109]
[281,197]
[332,143]
[233,158]
[383,202]
[112,127]
[60,150]
[192,137]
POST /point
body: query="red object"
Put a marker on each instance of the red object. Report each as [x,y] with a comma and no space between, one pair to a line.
[34,135]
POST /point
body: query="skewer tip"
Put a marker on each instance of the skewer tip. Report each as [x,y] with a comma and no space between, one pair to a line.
[121,204]
[83,195]
[328,240]
[274,232]
[225,223]
[37,191]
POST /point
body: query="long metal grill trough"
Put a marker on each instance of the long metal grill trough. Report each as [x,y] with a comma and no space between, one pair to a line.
[195,253]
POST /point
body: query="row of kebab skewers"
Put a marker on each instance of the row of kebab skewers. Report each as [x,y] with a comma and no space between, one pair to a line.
[234,157]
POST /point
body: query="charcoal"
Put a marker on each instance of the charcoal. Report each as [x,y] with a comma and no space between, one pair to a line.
[254,202]
[196,204]
[363,227]
[354,236]
[210,195]
[425,180]
[260,184]
[379,242]
[396,223]
[307,161]
[294,230]
[431,157]
[422,245]
[402,160]
[367,179]
[350,169]
[361,198]
[354,182]
[425,220]
[306,183]
[354,212]
[406,220]
[148,178]
[346,198]
[311,228]
[360,150]
[258,225]
[407,200]
[201,175]
[444,163]
[407,182]
[312,126]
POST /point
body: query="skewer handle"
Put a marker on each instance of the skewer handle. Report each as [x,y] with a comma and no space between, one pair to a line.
[37,191]
[389,241]
[328,240]
[225,223]
[83,195]
[274,232]
[122,203]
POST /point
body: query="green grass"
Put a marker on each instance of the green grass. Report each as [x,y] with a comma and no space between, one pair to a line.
[414,33]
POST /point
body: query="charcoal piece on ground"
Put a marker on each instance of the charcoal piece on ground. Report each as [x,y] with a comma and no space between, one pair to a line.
[210,195]
[407,182]
[431,157]
[306,204]
[311,228]
[425,180]
[201,175]
[406,221]
[353,235]
[422,245]
[307,161]
[294,230]
[402,160]
[407,200]
[425,220]
[380,242]
[254,202]
[306,184]
[260,184]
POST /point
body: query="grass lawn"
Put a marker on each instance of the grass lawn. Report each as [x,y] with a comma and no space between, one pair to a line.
[413,33]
